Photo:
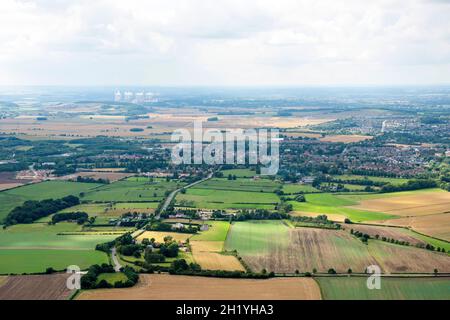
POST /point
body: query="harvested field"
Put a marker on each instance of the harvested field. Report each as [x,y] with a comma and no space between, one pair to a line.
[159,236]
[208,255]
[285,250]
[402,259]
[6,186]
[400,234]
[345,138]
[170,287]
[416,204]
[36,287]
[435,225]
[2,280]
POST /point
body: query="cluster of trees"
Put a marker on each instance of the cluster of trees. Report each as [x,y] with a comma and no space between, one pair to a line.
[320,221]
[162,226]
[157,253]
[180,266]
[364,237]
[33,210]
[79,217]
[90,279]
[92,180]
[410,185]
[259,214]
[123,240]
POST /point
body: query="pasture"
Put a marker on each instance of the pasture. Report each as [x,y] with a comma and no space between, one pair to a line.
[112,278]
[133,189]
[217,231]
[326,203]
[221,199]
[39,191]
[239,173]
[171,287]
[18,261]
[393,181]
[33,247]
[294,188]
[240,184]
[355,288]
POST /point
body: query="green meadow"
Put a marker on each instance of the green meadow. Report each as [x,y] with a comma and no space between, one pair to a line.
[293,188]
[240,184]
[239,173]
[355,288]
[34,247]
[393,181]
[18,261]
[217,231]
[226,199]
[12,198]
[256,237]
[324,203]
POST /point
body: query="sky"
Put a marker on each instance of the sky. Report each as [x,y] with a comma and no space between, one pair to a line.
[224,42]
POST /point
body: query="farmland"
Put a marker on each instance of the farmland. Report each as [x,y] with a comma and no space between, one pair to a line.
[349,177]
[355,288]
[401,259]
[435,225]
[159,236]
[40,191]
[240,184]
[33,247]
[326,203]
[132,189]
[219,199]
[169,287]
[275,247]
[400,234]
[37,287]
[408,204]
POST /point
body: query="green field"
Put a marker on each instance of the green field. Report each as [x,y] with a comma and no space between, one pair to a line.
[239,173]
[324,203]
[293,188]
[355,288]
[12,198]
[240,184]
[221,199]
[19,261]
[217,232]
[112,278]
[254,237]
[44,236]
[132,189]
[393,181]
[34,247]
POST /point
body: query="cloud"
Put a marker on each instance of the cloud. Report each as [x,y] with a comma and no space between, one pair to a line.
[224,42]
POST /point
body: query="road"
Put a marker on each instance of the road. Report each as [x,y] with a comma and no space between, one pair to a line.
[173,193]
[117,265]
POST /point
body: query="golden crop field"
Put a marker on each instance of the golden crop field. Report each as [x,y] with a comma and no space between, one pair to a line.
[436,225]
[159,236]
[208,255]
[345,138]
[171,287]
[416,204]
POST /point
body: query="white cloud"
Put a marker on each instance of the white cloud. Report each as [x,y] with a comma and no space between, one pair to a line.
[224,42]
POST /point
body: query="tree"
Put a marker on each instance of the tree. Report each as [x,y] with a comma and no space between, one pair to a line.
[435,272]
[349,271]
[331,271]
